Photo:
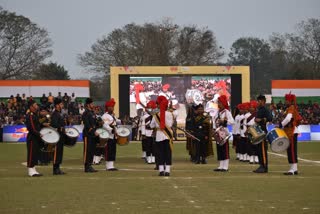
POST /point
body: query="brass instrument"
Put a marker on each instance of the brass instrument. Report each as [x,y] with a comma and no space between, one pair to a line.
[188,134]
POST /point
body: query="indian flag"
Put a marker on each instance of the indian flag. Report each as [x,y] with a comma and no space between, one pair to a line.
[305,90]
[37,88]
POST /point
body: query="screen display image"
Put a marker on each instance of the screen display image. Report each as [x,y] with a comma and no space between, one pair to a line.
[182,91]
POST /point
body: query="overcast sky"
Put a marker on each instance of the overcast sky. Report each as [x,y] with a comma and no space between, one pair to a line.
[74,25]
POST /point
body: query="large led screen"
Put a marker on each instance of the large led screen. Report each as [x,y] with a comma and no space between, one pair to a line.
[180,90]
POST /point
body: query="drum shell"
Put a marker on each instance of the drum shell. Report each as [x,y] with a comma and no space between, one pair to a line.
[71,139]
[257,134]
[122,141]
[278,140]
[221,135]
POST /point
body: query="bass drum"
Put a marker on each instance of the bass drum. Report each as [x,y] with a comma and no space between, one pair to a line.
[123,136]
[72,136]
[49,135]
[278,140]
[103,137]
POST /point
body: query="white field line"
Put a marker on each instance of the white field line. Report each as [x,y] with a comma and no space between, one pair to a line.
[301,159]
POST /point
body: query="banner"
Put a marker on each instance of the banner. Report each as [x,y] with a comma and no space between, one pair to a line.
[19,133]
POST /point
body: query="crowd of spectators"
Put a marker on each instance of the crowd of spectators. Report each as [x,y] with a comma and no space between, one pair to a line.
[13,110]
[310,112]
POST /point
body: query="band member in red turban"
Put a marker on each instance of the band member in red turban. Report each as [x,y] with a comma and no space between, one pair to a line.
[290,126]
[148,145]
[110,123]
[163,121]
[223,119]
[223,100]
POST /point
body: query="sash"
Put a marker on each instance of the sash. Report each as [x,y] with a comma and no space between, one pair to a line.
[251,116]
[167,131]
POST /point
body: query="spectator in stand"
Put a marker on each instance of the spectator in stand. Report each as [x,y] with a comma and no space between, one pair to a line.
[44,101]
[72,107]
[50,99]
[66,100]
[18,98]
[59,95]
[81,110]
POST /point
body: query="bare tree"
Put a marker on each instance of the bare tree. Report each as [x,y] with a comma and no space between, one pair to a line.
[307,42]
[23,46]
[152,44]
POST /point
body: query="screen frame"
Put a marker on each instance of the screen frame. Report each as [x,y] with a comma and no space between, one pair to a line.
[120,79]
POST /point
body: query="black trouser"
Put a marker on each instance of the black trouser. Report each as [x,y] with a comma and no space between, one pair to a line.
[58,152]
[243,145]
[156,152]
[149,146]
[292,150]
[252,149]
[33,150]
[201,148]
[263,154]
[223,151]
[236,142]
[165,154]
[111,150]
[89,145]
[144,144]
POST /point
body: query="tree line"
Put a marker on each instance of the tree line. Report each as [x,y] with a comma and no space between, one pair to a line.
[24,46]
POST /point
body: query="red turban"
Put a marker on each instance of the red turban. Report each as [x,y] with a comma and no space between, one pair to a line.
[240,106]
[138,88]
[253,104]
[165,86]
[290,97]
[110,103]
[246,105]
[223,100]
[151,104]
[163,104]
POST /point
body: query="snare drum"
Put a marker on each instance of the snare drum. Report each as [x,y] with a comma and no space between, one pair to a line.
[278,140]
[72,136]
[49,135]
[221,135]
[103,137]
[123,136]
[256,134]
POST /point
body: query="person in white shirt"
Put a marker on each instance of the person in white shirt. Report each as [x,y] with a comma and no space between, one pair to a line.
[290,126]
[224,119]
[110,123]
[147,132]
[236,131]
[252,148]
[163,122]
[166,93]
[141,98]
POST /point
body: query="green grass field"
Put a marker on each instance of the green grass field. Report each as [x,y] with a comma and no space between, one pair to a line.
[137,188]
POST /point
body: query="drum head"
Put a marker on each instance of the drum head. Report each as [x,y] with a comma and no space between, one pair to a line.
[103,134]
[49,135]
[280,144]
[123,132]
[72,132]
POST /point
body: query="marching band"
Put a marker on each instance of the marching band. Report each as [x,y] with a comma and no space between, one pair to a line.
[156,121]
